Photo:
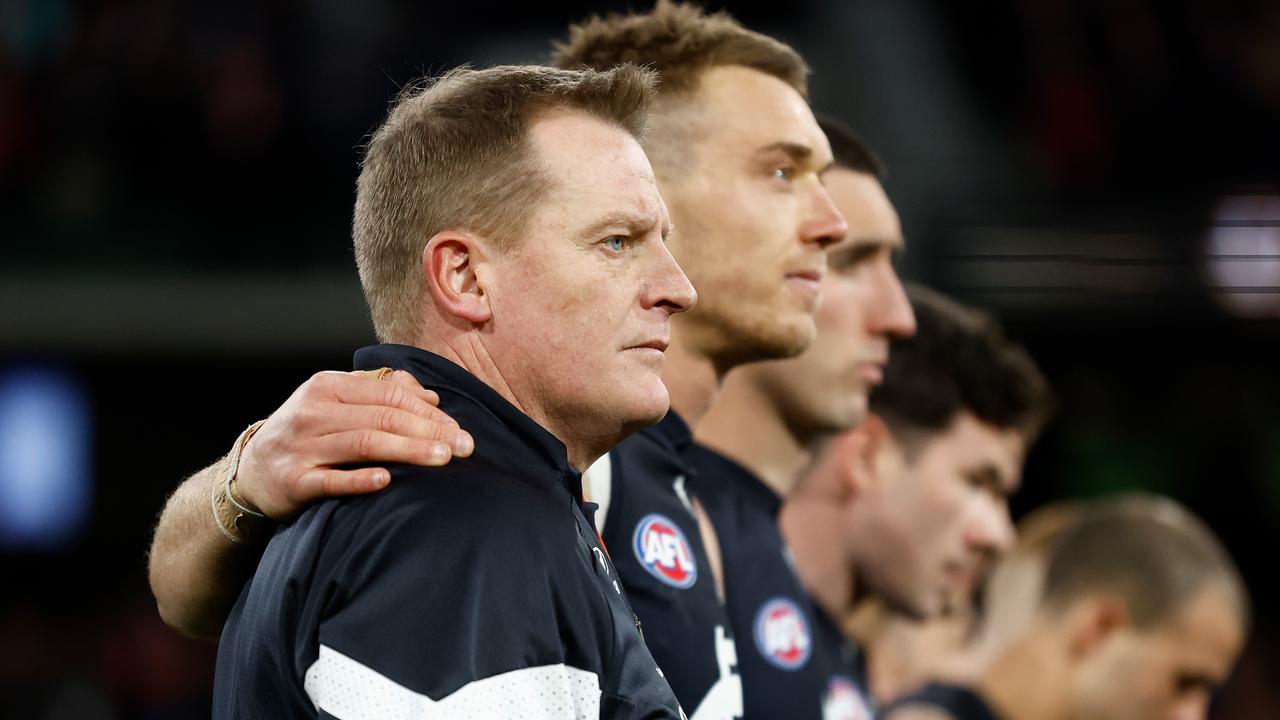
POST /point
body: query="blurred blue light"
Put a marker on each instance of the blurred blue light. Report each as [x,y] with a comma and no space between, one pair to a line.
[46,481]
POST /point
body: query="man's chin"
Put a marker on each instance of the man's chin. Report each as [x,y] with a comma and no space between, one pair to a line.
[649,409]
[777,341]
[915,609]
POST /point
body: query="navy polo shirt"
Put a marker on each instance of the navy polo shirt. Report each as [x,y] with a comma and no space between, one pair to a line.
[475,590]
[652,532]
[794,661]
[955,701]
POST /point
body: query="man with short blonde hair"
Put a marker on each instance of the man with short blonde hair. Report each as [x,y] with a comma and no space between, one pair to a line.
[455,154]
[484,591]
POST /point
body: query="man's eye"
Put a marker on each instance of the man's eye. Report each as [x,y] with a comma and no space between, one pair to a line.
[616,243]
[784,173]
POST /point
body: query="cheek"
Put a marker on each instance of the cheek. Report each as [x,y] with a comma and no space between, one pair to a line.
[941,495]
[763,222]
[552,307]
[1134,683]
[935,514]
[840,311]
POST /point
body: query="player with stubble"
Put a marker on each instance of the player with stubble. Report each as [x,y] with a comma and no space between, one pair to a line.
[738,157]
[511,243]
[758,439]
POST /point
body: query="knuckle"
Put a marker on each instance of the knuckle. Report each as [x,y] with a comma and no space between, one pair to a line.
[387,420]
[299,417]
[443,431]
[394,395]
[365,440]
[318,381]
[441,420]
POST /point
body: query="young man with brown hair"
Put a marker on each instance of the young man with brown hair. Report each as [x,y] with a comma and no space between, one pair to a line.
[905,508]
[485,198]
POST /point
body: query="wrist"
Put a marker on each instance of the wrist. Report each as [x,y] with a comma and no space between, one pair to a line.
[239,521]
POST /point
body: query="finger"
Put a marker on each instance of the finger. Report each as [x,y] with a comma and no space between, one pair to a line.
[355,389]
[345,418]
[402,378]
[379,374]
[444,428]
[437,426]
[327,482]
[363,446]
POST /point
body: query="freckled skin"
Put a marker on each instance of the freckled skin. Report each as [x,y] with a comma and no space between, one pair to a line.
[567,305]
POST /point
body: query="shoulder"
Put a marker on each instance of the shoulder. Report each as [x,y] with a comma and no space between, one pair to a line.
[473,495]
[433,524]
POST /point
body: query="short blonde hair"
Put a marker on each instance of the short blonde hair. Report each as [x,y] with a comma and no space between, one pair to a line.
[453,154]
[680,41]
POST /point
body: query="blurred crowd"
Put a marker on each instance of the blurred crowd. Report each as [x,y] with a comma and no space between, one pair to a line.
[1097,148]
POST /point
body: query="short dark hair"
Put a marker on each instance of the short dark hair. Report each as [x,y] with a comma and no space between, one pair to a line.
[851,152]
[1150,551]
[958,360]
[453,153]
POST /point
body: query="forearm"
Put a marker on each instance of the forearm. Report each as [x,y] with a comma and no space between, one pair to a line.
[332,420]
[196,572]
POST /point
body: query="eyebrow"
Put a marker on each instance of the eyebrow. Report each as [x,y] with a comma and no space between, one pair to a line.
[631,221]
[798,152]
[856,249]
[1195,679]
[989,476]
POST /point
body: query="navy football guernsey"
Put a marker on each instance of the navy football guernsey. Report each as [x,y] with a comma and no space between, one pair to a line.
[653,535]
[475,590]
[794,661]
[955,701]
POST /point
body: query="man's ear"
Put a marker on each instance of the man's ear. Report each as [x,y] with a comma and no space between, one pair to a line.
[856,451]
[1094,620]
[451,268]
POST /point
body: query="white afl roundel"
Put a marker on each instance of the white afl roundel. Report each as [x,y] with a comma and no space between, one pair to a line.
[662,549]
[844,701]
[782,634]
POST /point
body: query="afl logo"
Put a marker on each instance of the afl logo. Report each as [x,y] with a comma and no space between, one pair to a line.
[782,634]
[844,701]
[662,550]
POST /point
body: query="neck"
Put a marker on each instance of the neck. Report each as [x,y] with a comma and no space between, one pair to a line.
[866,624]
[1015,686]
[747,427]
[468,352]
[692,381]
[809,525]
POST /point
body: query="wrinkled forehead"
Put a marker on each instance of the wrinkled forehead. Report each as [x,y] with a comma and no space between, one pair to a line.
[593,167]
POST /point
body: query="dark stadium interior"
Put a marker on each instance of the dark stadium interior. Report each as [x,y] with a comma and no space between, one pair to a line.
[176,183]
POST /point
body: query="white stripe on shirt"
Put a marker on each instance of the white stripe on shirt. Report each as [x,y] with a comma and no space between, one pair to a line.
[349,690]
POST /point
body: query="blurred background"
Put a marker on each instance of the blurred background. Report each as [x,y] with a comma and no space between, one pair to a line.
[176,181]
